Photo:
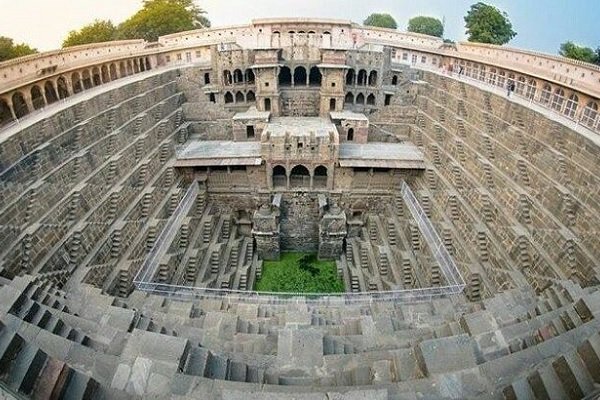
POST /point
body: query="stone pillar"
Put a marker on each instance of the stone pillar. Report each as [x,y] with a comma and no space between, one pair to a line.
[265,230]
[332,232]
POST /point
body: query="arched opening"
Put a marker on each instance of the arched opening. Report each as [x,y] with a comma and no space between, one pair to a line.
[558,99]
[267,104]
[300,76]
[96,76]
[362,77]
[285,76]
[590,114]
[19,105]
[349,99]
[113,72]
[37,98]
[571,107]
[104,72]
[314,77]
[136,67]
[249,76]
[238,77]
[395,80]
[320,177]
[239,97]
[331,104]
[350,136]
[86,79]
[360,99]
[371,99]
[76,82]
[531,89]
[227,77]
[250,96]
[228,98]
[50,93]
[546,94]
[63,90]
[142,64]
[299,177]
[148,65]
[5,114]
[129,67]
[122,69]
[350,75]
[279,177]
[373,78]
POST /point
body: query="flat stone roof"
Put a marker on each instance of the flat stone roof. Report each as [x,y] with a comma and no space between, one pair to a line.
[381,155]
[349,115]
[219,153]
[252,113]
[299,126]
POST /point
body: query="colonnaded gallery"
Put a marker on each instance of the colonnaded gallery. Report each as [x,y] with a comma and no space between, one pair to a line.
[144,186]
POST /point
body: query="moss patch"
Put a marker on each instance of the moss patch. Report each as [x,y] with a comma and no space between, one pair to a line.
[299,273]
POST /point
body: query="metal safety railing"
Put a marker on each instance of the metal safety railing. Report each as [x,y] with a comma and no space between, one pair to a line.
[152,261]
[439,251]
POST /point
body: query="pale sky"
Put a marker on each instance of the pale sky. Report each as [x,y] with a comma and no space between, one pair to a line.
[542,24]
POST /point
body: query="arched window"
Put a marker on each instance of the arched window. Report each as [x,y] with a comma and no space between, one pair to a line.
[96,76]
[249,75]
[482,73]
[546,94]
[571,107]
[350,75]
[373,78]
[86,79]
[5,114]
[104,72]
[349,99]
[521,83]
[558,99]
[531,89]
[279,177]
[50,93]
[590,114]
[350,136]
[63,91]
[250,96]
[239,97]
[37,98]
[299,176]
[238,77]
[227,78]
[19,105]
[362,77]
[395,80]
[320,177]
[228,98]
[360,99]
[371,99]
[113,72]
[285,76]
[300,76]
[493,76]
[501,78]
[314,77]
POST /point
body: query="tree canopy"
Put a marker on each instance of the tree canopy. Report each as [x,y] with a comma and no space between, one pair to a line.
[426,25]
[487,24]
[8,49]
[162,17]
[381,20]
[581,53]
[96,32]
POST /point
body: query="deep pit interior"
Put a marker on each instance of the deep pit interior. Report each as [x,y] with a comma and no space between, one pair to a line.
[200,170]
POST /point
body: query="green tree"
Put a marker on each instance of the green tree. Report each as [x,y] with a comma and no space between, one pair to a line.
[381,20]
[426,25]
[487,24]
[10,50]
[162,17]
[96,32]
[576,52]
